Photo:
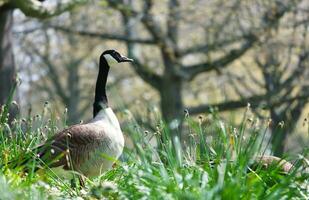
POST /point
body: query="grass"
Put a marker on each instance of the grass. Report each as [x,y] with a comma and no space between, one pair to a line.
[212,163]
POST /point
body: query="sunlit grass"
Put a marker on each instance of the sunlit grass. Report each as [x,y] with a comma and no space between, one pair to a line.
[211,163]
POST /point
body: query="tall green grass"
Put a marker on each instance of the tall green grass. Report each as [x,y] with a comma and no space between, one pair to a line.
[210,162]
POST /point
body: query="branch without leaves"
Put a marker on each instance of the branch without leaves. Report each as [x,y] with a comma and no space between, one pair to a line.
[270,19]
[141,69]
[106,36]
[205,48]
[190,72]
[34,8]
[152,26]
[255,102]
[53,74]
[145,73]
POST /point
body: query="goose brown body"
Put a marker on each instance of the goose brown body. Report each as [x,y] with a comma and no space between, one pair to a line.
[86,148]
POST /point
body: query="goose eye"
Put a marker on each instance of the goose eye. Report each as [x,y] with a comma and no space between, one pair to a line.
[117,55]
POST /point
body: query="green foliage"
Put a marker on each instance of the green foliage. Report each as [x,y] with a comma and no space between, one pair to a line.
[211,163]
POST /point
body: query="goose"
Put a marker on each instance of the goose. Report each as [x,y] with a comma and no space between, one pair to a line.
[93,147]
[274,162]
[264,162]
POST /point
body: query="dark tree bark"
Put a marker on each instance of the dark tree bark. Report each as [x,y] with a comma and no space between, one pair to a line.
[279,131]
[7,64]
[284,123]
[171,102]
[73,87]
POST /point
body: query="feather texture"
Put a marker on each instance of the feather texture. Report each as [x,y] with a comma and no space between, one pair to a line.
[87,148]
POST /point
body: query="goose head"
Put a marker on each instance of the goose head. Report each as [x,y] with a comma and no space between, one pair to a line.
[107,59]
[113,57]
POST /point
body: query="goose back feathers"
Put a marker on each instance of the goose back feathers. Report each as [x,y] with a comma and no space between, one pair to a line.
[87,148]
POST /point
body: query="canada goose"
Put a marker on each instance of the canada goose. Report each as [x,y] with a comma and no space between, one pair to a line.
[265,162]
[92,147]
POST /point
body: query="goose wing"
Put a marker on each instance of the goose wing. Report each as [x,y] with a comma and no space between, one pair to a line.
[70,147]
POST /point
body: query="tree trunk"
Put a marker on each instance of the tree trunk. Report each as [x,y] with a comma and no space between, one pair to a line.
[73,86]
[171,103]
[279,135]
[284,123]
[7,65]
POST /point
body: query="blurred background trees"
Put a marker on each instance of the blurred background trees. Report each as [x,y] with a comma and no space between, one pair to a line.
[30,8]
[199,56]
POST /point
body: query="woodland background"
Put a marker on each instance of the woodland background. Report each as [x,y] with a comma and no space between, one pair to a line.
[192,57]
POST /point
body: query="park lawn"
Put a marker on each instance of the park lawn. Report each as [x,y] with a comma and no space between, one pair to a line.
[211,163]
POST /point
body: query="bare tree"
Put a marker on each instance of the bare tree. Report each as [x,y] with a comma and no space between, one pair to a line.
[197,39]
[285,82]
[282,63]
[31,8]
[62,80]
[166,38]
[286,114]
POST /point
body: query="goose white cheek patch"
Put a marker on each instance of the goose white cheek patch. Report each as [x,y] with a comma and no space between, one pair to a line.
[110,60]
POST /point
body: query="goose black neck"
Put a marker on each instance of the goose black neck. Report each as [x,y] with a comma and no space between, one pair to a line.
[100,99]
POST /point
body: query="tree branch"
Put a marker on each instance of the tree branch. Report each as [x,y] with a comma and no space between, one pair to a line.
[34,8]
[141,69]
[3,2]
[54,78]
[297,72]
[145,73]
[106,36]
[173,20]
[205,48]
[270,19]
[191,71]
[255,102]
[152,26]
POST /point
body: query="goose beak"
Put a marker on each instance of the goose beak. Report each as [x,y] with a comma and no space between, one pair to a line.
[125,59]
